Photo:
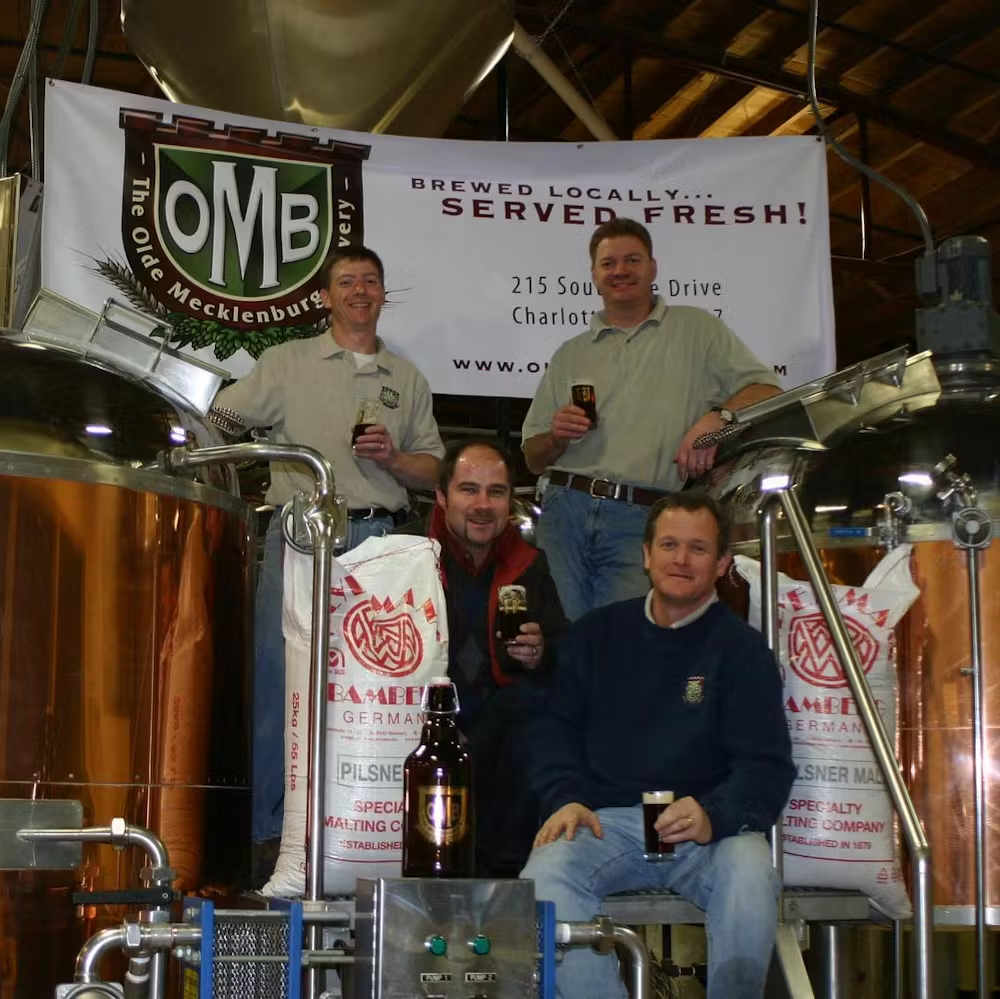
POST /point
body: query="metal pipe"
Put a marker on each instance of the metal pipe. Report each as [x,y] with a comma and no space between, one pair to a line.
[503,99]
[36,131]
[916,839]
[135,937]
[167,936]
[92,834]
[138,978]
[28,53]
[768,516]
[831,981]
[769,572]
[310,958]
[602,934]
[179,458]
[327,918]
[632,942]
[157,986]
[898,961]
[326,958]
[92,952]
[120,834]
[154,847]
[841,150]
[524,45]
[979,765]
[66,42]
[958,492]
[320,520]
[93,30]
[866,186]
[321,527]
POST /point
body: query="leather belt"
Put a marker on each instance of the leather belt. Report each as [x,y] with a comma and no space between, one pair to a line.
[376,513]
[605,488]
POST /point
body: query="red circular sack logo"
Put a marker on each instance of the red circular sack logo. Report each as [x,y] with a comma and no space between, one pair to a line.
[386,646]
[813,657]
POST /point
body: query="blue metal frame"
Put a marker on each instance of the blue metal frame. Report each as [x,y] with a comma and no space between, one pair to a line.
[546,949]
[200,912]
[296,935]
[198,979]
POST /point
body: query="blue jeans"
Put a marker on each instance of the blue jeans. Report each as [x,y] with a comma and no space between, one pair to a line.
[594,548]
[268,790]
[733,880]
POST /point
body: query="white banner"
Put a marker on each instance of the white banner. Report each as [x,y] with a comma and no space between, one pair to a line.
[219,223]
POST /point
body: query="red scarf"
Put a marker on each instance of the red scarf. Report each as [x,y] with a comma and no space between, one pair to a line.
[510,555]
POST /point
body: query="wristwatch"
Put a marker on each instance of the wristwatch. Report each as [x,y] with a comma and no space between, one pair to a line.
[726,415]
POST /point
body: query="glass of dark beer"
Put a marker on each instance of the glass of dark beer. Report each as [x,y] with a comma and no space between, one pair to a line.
[585,398]
[512,612]
[369,412]
[653,804]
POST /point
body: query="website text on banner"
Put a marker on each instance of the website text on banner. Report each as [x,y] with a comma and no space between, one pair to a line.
[218,223]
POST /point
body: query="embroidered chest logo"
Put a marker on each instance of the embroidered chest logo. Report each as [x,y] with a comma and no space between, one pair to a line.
[694,692]
[389,397]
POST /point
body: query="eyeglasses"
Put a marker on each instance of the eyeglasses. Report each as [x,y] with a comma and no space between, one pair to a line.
[369,281]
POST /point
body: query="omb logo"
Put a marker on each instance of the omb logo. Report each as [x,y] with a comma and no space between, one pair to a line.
[386,646]
[812,655]
[442,813]
[225,229]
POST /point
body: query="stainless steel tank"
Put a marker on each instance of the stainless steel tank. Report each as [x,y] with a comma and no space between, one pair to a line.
[885,425]
[399,66]
[125,601]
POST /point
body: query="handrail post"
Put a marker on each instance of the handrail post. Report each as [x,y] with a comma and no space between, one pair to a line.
[913,831]
[768,514]
[321,519]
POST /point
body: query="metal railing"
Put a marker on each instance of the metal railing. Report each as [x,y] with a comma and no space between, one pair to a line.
[785,499]
[319,519]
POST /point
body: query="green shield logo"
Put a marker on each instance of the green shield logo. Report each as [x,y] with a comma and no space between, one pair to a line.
[225,228]
[243,226]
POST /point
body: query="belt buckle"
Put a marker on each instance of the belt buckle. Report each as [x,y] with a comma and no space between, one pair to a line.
[370,515]
[612,495]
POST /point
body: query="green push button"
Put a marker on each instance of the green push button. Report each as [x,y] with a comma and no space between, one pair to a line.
[437,945]
[480,945]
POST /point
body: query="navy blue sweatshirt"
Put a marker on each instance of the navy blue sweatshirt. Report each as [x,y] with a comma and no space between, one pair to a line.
[696,710]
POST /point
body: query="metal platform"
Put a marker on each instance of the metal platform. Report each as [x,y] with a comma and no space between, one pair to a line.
[649,907]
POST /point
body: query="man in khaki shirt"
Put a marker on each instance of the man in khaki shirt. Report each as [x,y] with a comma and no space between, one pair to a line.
[662,377]
[309,392]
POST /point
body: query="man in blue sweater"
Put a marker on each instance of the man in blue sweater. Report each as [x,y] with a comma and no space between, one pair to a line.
[667,692]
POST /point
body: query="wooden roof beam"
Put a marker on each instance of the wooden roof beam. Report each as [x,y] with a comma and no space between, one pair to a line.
[803,120]
[754,106]
[707,59]
[935,58]
[680,104]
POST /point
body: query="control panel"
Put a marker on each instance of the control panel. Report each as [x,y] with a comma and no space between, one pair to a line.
[445,938]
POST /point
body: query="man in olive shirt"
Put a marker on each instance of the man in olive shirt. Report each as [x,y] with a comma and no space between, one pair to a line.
[662,376]
[308,392]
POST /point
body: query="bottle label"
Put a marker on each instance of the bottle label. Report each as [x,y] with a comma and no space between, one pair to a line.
[443,813]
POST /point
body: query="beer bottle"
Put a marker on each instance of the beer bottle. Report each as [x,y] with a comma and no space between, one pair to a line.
[439,833]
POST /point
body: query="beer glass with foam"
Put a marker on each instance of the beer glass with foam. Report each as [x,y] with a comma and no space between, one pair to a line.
[653,804]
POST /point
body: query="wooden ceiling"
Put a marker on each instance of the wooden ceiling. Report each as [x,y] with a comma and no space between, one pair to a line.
[912,88]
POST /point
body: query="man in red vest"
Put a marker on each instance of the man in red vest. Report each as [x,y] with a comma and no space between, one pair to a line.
[498,683]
